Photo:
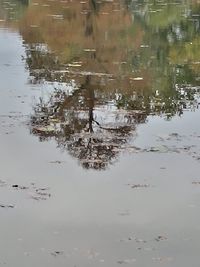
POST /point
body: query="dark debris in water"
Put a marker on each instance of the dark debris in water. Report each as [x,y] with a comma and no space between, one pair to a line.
[135,186]
[160,238]
[2,183]
[126,261]
[41,194]
[196,182]
[124,213]
[34,192]
[143,241]
[57,253]
[11,206]
[20,187]
[162,259]
[57,162]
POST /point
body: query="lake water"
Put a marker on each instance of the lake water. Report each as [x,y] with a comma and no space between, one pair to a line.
[99,133]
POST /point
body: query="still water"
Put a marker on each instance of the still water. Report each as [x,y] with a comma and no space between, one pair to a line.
[99,133]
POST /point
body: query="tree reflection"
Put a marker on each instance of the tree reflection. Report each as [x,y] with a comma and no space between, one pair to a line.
[76,123]
[123,60]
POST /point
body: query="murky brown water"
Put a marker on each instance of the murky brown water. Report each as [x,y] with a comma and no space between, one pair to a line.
[99,133]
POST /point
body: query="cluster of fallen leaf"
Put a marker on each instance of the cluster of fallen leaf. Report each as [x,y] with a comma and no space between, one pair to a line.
[34,192]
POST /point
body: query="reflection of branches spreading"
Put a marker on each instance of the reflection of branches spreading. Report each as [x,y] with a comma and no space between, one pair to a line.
[92,132]
[96,150]
[125,68]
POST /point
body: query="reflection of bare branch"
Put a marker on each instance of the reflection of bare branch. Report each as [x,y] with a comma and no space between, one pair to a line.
[72,128]
[121,129]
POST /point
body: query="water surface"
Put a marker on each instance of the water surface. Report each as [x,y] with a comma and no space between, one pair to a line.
[99,133]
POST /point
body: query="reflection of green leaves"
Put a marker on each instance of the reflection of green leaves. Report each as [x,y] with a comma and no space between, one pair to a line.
[173,53]
[186,53]
[165,17]
[13,9]
[71,52]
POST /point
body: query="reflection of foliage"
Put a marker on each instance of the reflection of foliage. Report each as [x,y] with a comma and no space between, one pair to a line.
[112,39]
[13,9]
[187,53]
[101,36]
[78,126]
[95,132]
[165,16]
[134,57]
[170,103]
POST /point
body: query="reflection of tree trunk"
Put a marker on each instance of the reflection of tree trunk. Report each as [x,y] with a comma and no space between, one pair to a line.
[90,104]
[89,25]
[90,120]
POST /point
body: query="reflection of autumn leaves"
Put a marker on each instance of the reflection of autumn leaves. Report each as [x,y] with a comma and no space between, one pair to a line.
[100,38]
